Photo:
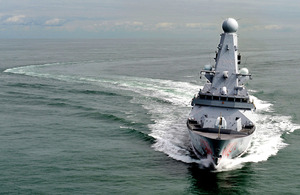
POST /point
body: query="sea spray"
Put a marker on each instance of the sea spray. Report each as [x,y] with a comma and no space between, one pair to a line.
[168,104]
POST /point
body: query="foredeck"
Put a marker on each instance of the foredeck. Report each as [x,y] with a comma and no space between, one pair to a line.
[225,134]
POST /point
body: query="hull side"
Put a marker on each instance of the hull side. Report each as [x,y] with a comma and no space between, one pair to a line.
[218,148]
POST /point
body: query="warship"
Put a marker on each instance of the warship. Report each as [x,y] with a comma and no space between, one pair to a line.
[218,124]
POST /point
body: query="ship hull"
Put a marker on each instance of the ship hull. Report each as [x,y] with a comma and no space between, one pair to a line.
[218,148]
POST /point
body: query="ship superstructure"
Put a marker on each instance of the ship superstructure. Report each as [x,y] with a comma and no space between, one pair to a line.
[217,124]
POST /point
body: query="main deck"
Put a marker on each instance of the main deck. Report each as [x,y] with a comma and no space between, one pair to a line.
[223,134]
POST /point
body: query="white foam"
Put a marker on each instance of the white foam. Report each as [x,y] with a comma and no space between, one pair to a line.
[267,140]
[169,128]
[260,104]
[170,131]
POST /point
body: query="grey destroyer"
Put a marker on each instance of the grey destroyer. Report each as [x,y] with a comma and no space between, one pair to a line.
[217,124]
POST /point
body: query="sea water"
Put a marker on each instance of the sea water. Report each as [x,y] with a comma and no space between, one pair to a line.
[109,116]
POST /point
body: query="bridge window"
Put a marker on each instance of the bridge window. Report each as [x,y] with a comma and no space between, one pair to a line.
[231,99]
[216,97]
[223,98]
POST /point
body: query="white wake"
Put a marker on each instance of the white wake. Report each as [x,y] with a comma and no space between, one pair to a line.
[168,103]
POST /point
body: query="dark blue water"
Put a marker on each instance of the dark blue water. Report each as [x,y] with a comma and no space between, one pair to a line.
[108,116]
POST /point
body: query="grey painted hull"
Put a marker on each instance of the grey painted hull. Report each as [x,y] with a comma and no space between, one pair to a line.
[218,149]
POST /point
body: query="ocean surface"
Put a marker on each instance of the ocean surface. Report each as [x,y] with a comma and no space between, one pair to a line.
[109,117]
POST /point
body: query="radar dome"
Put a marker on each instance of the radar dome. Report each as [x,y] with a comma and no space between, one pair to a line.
[230,25]
[207,67]
[244,71]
